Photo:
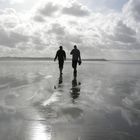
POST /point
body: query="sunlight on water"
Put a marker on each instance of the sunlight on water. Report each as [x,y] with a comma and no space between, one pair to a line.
[40,132]
[52,99]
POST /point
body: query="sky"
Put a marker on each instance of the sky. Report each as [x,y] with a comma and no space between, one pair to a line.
[107,29]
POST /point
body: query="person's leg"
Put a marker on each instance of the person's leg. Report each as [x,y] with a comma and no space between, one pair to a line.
[75,74]
[74,65]
[61,63]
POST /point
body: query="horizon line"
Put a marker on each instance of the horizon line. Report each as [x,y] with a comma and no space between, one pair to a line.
[51,58]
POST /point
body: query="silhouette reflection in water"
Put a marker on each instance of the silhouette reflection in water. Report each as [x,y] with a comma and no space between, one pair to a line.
[60,81]
[75,90]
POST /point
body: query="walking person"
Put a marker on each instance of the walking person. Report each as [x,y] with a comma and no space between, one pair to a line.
[76,58]
[61,56]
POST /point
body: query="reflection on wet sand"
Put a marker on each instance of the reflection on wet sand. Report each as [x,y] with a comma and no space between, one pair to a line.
[60,81]
[75,90]
[40,131]
[105,107]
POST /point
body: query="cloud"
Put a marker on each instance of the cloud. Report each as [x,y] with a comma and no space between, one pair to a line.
[57,29]
[53,23]
[124,34]
[38,18]
[11,2]
[11,38]
[48,9]
[16,1]
[69,8]
[8,18]
[10,33]
[76,9]
[132,9]
[98,5]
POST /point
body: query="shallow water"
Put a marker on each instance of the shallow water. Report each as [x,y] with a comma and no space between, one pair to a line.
[101,103]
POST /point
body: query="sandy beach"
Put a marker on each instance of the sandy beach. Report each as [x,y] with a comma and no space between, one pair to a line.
[101,103]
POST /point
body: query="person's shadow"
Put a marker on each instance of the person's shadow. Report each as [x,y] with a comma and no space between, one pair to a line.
[75,90]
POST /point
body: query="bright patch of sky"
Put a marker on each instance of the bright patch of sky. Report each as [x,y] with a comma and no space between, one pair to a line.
[96,5]
[19,5]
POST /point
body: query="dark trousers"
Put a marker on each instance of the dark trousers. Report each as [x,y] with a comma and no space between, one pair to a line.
[74,64]
[61,63]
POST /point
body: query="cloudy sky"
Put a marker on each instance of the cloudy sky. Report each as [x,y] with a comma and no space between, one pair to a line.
[100,28]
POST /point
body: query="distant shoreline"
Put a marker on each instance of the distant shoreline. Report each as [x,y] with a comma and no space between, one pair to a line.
[41,59]
[52,59]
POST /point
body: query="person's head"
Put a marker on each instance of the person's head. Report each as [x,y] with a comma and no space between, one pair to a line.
[75,47]
[61,48]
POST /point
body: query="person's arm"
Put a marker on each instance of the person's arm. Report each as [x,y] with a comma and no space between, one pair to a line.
[80,57]
[79,61]
[64,55]
[56,56]
[71,52]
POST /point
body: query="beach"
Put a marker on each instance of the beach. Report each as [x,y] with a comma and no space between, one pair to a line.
[101,103]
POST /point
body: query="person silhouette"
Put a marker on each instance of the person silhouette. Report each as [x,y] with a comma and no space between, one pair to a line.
[76,58]
[61,56]
[75,90]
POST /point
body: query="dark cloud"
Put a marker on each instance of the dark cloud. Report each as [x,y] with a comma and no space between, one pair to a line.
[124,34]
[124,29]
[57,29]
[125,38]
[38,18]
[10,38]
[76,9]
[49,9]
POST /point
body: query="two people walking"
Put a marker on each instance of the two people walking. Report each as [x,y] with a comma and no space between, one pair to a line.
[61,56]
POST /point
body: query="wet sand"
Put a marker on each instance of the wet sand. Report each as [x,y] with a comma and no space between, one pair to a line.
[101,103]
